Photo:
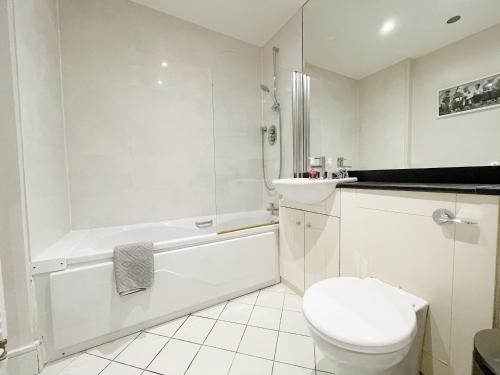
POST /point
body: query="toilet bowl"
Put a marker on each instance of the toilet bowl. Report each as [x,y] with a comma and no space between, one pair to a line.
[365,326]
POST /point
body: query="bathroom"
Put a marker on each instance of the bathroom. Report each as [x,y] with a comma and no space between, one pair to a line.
[312,186]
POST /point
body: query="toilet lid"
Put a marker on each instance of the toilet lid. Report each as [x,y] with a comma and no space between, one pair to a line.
[363,315]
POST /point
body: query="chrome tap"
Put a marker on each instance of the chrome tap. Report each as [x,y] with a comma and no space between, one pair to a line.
[273,209]
[341,168]
[340,162]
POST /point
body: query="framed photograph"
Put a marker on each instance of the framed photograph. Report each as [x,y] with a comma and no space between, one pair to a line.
[483,93]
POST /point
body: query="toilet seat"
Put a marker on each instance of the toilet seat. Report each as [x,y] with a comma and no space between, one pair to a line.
[361,315]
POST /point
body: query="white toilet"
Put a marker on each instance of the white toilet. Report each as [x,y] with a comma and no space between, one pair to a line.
[365,326]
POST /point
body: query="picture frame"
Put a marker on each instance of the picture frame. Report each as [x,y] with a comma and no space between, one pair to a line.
[477,95]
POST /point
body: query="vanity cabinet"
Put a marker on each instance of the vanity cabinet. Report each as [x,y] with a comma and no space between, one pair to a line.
[309,243]
[392,236]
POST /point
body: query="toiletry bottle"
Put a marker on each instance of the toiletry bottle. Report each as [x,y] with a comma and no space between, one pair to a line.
[313,173]
[328,168]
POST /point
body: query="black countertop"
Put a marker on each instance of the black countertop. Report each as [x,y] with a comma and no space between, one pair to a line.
[415,186]
[467,180]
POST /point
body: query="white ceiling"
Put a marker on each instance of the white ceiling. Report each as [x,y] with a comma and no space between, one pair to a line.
[344,36]
[253,21]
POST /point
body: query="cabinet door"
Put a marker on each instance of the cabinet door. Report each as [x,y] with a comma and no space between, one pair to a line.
[321,247]
[292,247]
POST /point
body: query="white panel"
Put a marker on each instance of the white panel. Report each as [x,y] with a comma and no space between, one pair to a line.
[85,304]
[292,247]
[321,247]
[406,250]
[409,202]
[474,275]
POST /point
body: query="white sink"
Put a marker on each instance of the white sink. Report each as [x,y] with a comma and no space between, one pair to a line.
[305,190]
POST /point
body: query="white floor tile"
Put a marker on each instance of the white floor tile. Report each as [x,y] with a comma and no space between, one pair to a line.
[259,342]
[295,350]
[225,335]
[289,290]
[56,367]
[85,364]
[270,299]
[284,369]
[142,350]
[236,313]
[111,349]
[249,299]
[116,368]
[195,329]
[279,288]
[323,373]
[292,302]
[168,329]
[212,312]
[174,358]
[294,322]
[322,363]
[211,361]
[265,317]
[246,365]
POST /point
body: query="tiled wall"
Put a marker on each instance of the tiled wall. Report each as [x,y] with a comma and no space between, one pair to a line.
[13,254]
[41,117]
[145,95]
[289,41]
[333,115]
[384,117]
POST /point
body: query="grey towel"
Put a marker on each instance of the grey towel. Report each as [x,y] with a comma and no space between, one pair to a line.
[134,267]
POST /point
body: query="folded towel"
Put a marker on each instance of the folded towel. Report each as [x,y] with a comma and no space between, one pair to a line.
[134,267]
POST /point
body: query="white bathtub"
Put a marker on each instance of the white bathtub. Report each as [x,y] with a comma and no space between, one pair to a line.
[194,267]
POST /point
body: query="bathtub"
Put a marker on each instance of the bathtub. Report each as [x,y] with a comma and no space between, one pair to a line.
[195,266]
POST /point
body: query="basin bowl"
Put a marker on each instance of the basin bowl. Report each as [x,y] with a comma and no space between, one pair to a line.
[309,191]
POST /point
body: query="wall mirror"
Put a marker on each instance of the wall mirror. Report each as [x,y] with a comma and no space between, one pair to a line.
[403,84]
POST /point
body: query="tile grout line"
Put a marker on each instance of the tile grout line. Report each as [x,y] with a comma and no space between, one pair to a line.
[144,331]
[209,332]
[246,326]
[284,292]
[137,334]
[278,337]
[163,347]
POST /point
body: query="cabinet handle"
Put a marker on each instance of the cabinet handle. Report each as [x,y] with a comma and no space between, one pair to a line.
[308,225]
[298,223]
[444,216]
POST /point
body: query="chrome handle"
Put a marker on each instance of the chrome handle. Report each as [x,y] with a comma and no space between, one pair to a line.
[443,216]
[204,224]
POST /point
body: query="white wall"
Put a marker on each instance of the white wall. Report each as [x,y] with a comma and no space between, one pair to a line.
[462,140]
[139,151]
[37,42]
[333,115]
[289,41]
[13,251]
[384,111]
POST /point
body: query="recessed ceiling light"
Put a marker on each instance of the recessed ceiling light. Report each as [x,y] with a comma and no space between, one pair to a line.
[387,27]
[453,19]
[164,64]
